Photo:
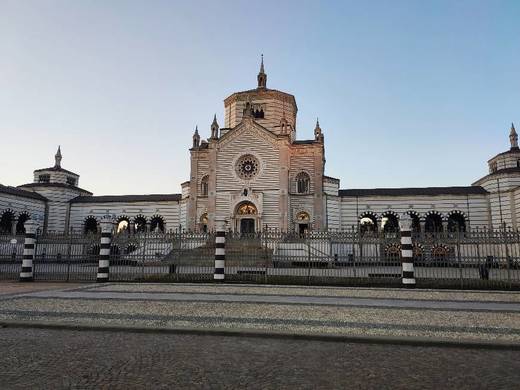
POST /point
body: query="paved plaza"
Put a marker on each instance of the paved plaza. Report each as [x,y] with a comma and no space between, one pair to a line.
[425,314]
[124,335]
[68,359]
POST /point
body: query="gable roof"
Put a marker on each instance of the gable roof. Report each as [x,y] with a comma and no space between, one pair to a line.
[424,191]
[126,198]
[19,192]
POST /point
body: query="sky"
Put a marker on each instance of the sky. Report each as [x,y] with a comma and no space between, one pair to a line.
[408,93]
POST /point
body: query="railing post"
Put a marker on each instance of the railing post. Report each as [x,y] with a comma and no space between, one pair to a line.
[26,274]
[104,249]
[220,250]
[405,224]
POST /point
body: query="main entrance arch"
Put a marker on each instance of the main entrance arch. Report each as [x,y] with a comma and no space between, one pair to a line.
[246,218]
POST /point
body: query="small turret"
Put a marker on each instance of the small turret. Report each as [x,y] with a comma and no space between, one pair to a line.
[262,77]
[214,128]
[57,158]
[318,135]
[513,137]
[196,138]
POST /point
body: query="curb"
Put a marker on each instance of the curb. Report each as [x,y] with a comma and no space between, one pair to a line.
[383,340]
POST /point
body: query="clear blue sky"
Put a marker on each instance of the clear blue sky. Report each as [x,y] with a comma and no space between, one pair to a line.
[409,93]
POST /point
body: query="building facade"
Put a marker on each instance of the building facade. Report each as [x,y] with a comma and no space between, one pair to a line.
[255,174]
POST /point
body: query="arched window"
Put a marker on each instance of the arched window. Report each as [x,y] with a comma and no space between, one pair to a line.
[140,223]
[368,223]
[123,223]
[456,222]
[433,223]
[303,183]
[6,222]
[389,223]
[90,225]
[204,186]
[157,224]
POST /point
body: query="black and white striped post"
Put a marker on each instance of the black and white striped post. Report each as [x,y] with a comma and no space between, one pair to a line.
[405,225]
[104,248]
[220,249]
[26,275]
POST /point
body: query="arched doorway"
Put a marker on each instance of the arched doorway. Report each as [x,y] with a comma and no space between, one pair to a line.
[303,220]
[246,217]
[204,223]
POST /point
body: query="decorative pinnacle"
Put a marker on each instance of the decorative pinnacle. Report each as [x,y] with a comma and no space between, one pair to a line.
[57,158]
[262,77]
[215,120]
[513,130]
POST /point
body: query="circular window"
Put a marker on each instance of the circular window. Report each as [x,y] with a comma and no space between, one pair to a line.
[247,167]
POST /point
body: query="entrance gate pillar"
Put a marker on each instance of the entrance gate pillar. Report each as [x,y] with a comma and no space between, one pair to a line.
[26,275]
[104,249]
[405,225]
[220,249]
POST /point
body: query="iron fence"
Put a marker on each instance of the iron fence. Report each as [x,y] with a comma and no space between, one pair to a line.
[474,259]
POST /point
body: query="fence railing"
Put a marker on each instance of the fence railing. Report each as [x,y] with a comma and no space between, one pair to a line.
[474,259]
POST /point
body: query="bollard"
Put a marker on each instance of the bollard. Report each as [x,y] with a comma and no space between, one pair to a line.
[220,250]
[104,249]
[405,225]
[26,275]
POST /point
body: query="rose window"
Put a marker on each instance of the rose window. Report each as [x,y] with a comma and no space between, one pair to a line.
[247,167]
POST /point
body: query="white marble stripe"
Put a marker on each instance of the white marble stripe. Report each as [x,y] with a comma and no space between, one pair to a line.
[406,240]
[220,251]
[218,276]
[219,263]
[102,276]
[105,240]
[408,267]
[407,253]
[220,240]
[103,263]
[26,274]
[408,281]
[27,263]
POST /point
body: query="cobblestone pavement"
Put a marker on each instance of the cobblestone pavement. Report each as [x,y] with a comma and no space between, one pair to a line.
[471,316]
[43,359]
[15,287]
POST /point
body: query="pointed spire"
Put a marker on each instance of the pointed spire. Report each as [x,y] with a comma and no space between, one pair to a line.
[196,137]
[214,128]
[318,135]
[262,76]
[57,158]
[513,137]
